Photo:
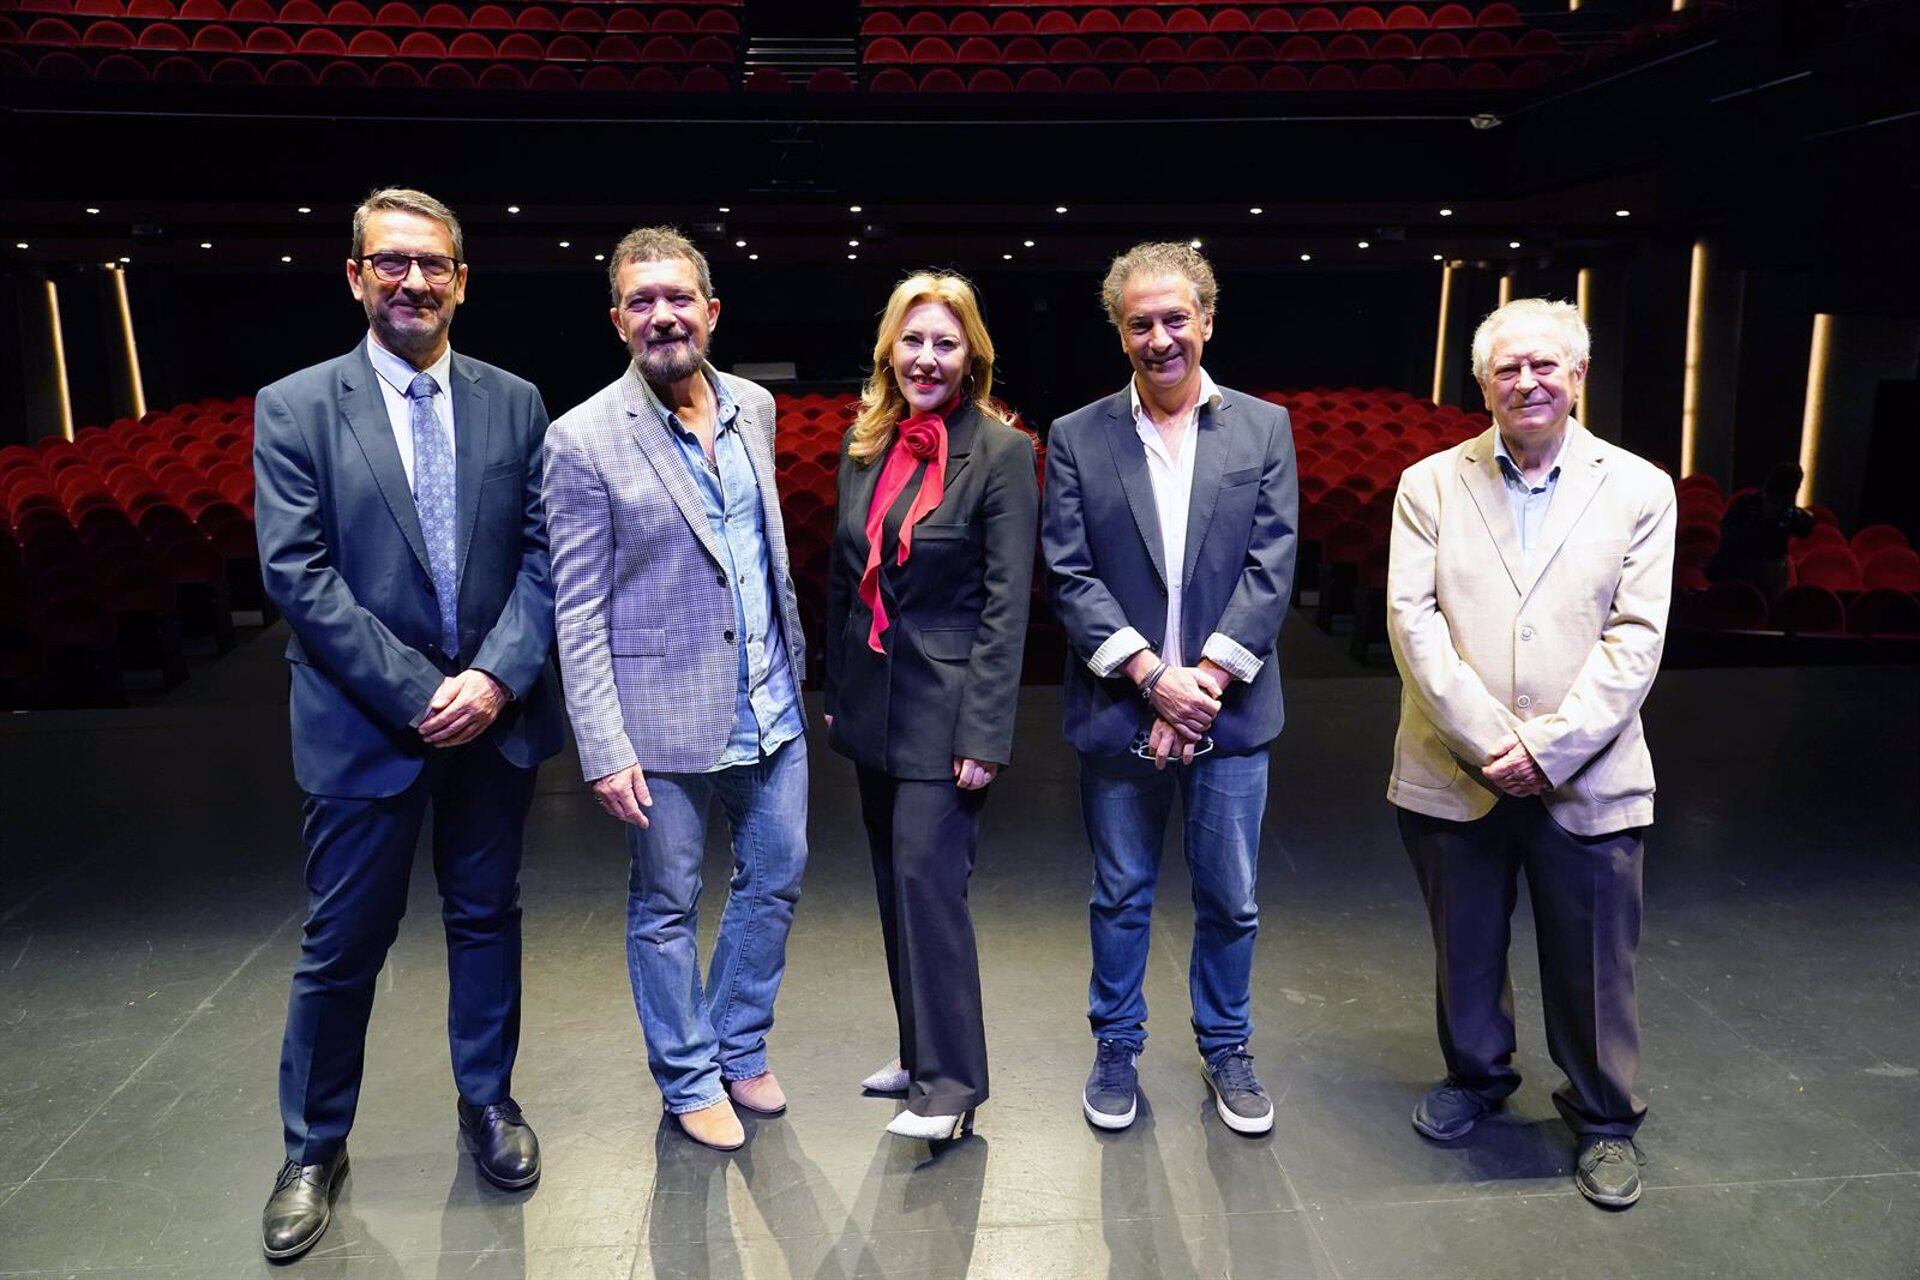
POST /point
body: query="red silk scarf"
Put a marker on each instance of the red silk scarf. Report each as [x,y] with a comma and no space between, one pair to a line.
[922,438]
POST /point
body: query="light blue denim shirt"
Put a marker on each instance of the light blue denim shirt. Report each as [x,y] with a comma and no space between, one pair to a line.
[766,709]
[1528,502]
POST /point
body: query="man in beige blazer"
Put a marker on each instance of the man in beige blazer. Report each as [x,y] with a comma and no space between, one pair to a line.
[1528,585]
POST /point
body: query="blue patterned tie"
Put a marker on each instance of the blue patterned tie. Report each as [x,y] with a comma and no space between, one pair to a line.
[433,500]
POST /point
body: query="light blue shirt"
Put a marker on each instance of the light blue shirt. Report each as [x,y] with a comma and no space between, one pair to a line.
[766,709]
[1529,502]
[395,376]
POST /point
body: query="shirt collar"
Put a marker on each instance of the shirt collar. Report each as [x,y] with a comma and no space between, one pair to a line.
[1209,394]
[725,410]
[398,374]
[1511,468]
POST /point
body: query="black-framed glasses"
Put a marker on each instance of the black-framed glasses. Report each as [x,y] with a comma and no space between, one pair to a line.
[435,268]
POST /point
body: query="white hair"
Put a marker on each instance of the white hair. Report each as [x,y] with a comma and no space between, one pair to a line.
[1562,315]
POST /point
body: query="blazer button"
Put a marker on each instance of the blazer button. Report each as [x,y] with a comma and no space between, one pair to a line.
[1526,633]
[1523,702]
[728,636]
[721,578]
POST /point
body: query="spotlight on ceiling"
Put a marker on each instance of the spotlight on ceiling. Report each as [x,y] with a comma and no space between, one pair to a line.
[1513,244]
[305,208]
[1059,208]
[566,244]
[1256,211]
[739,244]
[1365,244]
[1446,213]
[513,208]
[1306,257]
[286,257]
[1623,213]
[753,257]
[92,209]
[854,208]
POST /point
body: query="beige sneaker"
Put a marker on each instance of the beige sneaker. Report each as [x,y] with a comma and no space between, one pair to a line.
[761,1094]
[715,1126]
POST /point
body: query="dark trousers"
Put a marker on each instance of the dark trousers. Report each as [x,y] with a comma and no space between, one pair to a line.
[359,858]
[1586,894]
[923,836]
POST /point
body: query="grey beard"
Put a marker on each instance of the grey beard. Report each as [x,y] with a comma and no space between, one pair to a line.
[664,369]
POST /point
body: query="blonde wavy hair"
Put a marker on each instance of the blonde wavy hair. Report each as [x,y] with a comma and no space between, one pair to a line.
[882,407]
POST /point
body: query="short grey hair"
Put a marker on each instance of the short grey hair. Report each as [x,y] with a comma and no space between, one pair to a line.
[656,244]
[1159,258]
[405,200]
[1563,316]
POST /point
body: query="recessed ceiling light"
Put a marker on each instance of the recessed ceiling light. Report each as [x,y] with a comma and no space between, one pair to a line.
[753,257]
[206,244]
[123,259]
[92,209]
[1027,243]
[23,245]
[853,208]
[739,244]
[726,208]
[1446,213]
[1365,245]
[1059,208]
[1005,256]
[1623,213]
[853,244]
[1513,244]
[599,257]
[305,208]
[513,208]
[566,244]
[286,257]
[1306,257]
[1438,258]
[1193,244]
[1256,211]
[853,257]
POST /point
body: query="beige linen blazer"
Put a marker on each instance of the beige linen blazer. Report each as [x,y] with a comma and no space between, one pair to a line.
[1563,652]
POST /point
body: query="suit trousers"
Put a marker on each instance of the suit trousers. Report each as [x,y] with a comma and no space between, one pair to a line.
[359,859]
[1586,895]
[924,835]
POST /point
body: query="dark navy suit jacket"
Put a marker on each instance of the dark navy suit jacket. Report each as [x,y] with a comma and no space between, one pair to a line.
[343,557]
[1100,531]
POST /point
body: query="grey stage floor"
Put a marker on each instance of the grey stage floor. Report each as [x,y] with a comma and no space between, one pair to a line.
[150,903]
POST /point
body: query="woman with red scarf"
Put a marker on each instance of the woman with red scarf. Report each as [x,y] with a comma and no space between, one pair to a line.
[926,622]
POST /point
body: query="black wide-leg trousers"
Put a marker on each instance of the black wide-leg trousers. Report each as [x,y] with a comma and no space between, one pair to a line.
[923,836]
[1586,895]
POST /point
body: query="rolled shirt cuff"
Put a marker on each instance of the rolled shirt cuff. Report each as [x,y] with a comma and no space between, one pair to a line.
[1228,653]
[1120,646]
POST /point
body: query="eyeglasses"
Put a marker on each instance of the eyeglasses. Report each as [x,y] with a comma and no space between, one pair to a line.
[435,268]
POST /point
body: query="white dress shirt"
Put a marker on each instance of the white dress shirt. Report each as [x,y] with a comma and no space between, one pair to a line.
[395,376]
[1171,475]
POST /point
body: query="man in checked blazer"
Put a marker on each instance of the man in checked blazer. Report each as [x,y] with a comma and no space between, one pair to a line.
[682,655]
[1528,584]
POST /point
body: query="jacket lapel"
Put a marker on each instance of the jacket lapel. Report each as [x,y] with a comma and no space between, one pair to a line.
[646,423]
[961,433]
[1210,445]
[1480,471]
[471,424]
[1581,471]
[365,414]
[1130,460]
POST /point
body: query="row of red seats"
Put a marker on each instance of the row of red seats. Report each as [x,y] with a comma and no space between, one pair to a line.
[1060,22]
[1803,610]
[341,74]
[517,46]
[1329,77]
[397,14]
[1346,46]
[1877,556]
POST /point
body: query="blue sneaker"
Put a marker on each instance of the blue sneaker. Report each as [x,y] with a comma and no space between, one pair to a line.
[1112,1095]
[1243,1105]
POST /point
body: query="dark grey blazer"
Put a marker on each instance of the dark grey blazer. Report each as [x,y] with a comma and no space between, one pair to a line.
[1101,535]
[957,610]
[342,555]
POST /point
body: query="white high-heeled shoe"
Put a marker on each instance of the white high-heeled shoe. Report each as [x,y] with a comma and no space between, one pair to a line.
[891,1078]
[931,1128]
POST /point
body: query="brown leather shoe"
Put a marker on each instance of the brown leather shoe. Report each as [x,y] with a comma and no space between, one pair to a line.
[715,1126]
[761,1094]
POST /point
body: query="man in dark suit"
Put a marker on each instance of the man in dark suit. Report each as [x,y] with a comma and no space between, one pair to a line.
[401,533]
[1169,526]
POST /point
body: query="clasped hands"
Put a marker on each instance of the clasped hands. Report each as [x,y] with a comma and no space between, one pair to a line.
[968,774]
[1513,769]
[462,708]
[1184,700]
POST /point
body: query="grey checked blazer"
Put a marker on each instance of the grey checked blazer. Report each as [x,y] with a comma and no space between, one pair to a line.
[645,615]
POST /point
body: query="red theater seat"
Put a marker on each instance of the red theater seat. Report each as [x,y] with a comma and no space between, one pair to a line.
[1451,15]
[1884,613]
[1101,22]
[830,80]
[371,44]
[1274,20]
[1302,49]
[891,80]
[1876,537]
[234,71]
[1088,80]
[1442,44]
[880,24]
[968,24]
[321,42]
[1038,80]
[925,23]
[1162,49]
[162,35]
[1363,17]
[886,50]
[1283,79]
[1023,51]
[704,80]
[536,18]
[1832,567]
[1348,47]
[394,13]
[1136,80]
[549,78]
[673,21]
[977,50]
[347,14]
[177,70]
[1897,568]
[1489,44]
[931,50]
[1186,22]
[942,80]
[423,45]
[1055,22]
[1012,23]
[52,31]
[445,17]
[1319,19]
[518,46]
[301,13]
[107,35]
[1234,80]
[990,80]
[1499,14]
[1538,43]
[1724,606]
[490,17]
[1808,610]
[471,46]
[502,75]
[568,48]
[451,75]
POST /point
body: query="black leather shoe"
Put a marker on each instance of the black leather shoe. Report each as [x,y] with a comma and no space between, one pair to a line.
[301,1206]
[1608,1171]
[503,1143]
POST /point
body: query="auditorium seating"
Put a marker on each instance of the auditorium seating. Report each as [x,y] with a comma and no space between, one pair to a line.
[122,548]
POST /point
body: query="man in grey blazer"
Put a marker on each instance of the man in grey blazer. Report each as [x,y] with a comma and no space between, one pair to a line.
[1527,587]
[682,655]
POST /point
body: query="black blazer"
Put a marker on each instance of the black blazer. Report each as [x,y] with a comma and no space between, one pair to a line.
[957,611]
[1103,549]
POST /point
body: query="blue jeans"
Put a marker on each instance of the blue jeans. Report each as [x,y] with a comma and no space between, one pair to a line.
[697,1038]
[1126,804]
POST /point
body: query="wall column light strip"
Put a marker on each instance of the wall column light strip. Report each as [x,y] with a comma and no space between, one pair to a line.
[1583,300]
[59,348]
[1810,422]
[1690,379]
[1506,288]
[1440,339]
[131,351]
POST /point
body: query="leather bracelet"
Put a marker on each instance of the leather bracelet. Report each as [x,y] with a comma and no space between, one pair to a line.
[1147,685]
